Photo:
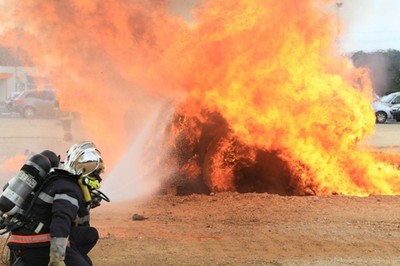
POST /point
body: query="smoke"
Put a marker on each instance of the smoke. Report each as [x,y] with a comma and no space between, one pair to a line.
[102,58]
[379,66]
[183,8]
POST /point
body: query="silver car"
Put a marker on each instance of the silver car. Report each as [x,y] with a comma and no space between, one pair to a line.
[383,105]
[35,103]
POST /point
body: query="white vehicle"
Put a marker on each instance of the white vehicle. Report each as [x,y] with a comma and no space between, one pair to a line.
[382,107]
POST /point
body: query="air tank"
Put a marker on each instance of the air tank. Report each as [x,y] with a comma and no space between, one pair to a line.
[31,175]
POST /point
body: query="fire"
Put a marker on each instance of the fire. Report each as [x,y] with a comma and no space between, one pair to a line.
[11,166]
[268,71]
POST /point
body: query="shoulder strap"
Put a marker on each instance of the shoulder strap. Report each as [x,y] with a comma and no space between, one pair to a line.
[56,173]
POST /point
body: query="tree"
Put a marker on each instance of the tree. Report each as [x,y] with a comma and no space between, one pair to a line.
[384,67]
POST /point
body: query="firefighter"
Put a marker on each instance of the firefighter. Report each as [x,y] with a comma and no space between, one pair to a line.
[58,230]
[83,237]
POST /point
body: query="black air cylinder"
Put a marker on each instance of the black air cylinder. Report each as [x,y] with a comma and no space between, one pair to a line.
[32,174]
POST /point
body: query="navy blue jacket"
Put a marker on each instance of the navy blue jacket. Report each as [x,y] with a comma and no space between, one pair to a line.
[59,206]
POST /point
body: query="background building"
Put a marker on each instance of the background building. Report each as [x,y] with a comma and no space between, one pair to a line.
[16,73]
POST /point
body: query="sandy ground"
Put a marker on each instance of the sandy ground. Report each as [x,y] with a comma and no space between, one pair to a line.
[254,229]
[246,229]
[250,229]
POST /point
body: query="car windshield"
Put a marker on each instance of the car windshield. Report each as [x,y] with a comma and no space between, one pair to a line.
[387,98]
[15,94]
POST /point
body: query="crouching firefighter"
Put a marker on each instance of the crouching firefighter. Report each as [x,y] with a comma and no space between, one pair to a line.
[55,229]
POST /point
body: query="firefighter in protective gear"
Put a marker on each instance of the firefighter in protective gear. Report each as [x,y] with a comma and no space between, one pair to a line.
[58,231]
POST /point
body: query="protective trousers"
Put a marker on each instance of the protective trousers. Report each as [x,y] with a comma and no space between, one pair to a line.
[83,239]
[40,257]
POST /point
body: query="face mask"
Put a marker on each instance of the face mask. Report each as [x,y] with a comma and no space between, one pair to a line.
[91,182]
[86,183]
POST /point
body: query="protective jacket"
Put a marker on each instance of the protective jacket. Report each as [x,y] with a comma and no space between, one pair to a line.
[59,206]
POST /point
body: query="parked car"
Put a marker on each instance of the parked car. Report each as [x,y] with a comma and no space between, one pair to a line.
[395,111]
[35,103]
[382,107]
[11,98]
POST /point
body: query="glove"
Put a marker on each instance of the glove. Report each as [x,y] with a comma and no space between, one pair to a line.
[58,246]
[57,263]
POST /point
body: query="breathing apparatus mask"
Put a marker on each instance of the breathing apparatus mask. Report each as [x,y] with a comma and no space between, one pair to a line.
[85,160]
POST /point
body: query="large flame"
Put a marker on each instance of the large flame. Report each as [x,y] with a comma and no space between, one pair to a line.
[269,67]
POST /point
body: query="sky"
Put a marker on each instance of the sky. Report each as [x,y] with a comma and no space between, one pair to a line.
[370,25]
[367,25]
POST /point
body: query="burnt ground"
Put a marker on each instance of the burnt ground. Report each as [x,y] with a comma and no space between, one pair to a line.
[252,228]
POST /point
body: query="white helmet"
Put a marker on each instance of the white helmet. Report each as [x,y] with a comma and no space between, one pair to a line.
[84,159]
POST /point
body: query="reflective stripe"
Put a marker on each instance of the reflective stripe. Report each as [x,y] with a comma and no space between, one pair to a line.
[82,220]
[72,200]
[49,199]
[42,172]
[46,197]
[29,239]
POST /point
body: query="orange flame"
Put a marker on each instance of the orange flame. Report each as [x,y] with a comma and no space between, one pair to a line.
[269,67]
[11,166]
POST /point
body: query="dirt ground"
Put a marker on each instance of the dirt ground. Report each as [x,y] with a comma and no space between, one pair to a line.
[252,229]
